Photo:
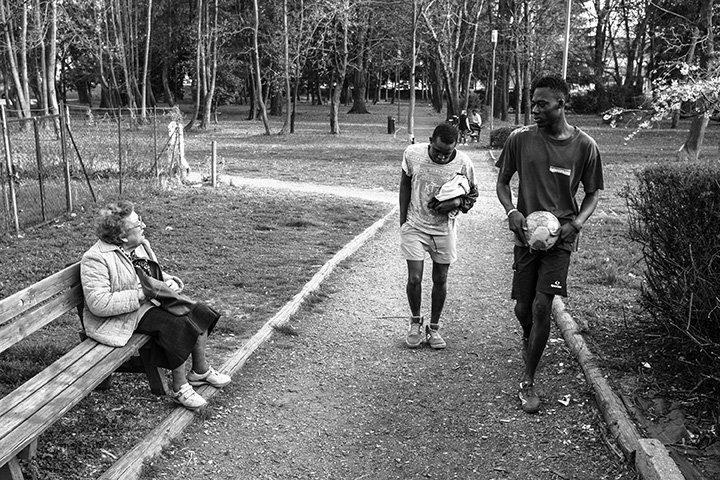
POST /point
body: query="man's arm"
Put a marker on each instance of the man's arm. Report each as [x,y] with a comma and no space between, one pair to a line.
[570,230]
[516,220]
[405,186]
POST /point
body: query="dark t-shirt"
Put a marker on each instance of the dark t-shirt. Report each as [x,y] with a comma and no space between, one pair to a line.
[550,171]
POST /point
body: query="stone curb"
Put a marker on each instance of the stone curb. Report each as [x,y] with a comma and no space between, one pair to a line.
[651,459]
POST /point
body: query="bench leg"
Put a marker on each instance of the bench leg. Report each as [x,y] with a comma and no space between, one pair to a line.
[11,470]
[155,376]
[28,452]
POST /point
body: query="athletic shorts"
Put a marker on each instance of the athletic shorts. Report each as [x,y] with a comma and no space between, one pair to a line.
[544,272]
[414,244]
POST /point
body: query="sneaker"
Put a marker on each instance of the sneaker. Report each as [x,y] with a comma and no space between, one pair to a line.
[211,377]
[415,337]
[188,398]
[435,340]
[528,398]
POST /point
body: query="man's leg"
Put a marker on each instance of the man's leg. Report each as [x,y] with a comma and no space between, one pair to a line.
[523,312]
[414,286]
[541,315]
[413,289]
[539,334]
[439,292]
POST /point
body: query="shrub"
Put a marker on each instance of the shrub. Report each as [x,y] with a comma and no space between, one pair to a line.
[499,135]
[675,217]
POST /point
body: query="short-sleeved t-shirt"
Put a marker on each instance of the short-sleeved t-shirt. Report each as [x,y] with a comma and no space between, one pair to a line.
[550,171]
[427,178]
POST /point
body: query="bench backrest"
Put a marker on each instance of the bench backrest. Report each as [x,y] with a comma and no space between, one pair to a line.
[29,310]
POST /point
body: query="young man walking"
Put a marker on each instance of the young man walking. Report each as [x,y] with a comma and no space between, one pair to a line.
[551,160]
[437,182]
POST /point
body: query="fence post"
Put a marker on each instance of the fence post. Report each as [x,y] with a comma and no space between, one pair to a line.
[9,166]
[38,157]
[213,165]
[64,128]
[120,173]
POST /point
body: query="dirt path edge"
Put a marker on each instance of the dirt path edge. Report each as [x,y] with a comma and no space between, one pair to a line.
[651,458]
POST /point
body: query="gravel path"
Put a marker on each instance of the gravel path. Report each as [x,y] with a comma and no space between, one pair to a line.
[345,399]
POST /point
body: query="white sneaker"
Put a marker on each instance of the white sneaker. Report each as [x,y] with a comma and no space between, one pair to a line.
[211,377]
[188,398]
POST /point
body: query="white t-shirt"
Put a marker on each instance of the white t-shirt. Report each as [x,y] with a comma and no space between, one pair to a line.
[427,178]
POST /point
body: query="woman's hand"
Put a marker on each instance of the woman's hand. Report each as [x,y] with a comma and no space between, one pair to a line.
[170,282]
[141,293]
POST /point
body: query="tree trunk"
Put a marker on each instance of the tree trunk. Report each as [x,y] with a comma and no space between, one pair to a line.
[359,76]
[286,74]
[211,60]
[413,61]
[340,63]
[690,150]
[198,73]
[43,71]
[52,62]
[10,47]
[257,72]
[167,91]
[145,77]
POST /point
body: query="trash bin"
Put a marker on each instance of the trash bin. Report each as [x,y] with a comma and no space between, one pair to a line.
[391,125]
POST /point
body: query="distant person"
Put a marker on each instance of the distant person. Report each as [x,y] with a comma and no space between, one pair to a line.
[551,159]
[463,126]
[437,182]
[125,292]
[475,122]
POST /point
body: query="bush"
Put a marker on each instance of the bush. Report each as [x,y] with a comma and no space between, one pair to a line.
[499,135]
[675,217]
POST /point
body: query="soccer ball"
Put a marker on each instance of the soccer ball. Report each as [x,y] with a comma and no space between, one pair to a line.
[543,230]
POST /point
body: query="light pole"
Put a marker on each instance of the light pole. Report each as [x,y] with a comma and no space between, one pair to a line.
[493,39]
[397,81]
[567,38]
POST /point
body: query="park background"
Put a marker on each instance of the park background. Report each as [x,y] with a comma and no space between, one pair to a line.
[305,91]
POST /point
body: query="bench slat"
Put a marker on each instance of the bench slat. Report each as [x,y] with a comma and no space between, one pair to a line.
[32,408]
[37,293]
[12,333]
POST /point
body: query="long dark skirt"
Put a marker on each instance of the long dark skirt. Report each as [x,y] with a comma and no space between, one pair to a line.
[173,337]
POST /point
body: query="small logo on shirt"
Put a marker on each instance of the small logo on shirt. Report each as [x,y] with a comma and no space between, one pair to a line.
[555,284]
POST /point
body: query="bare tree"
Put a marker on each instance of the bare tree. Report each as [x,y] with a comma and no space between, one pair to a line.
[257,71]
[146,61]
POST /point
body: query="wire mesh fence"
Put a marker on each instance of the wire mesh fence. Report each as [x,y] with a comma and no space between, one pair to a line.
[55,163]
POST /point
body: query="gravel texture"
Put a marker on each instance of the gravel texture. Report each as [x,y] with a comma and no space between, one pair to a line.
[339,396]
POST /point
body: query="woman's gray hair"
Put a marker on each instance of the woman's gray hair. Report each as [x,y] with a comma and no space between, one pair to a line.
[110,225]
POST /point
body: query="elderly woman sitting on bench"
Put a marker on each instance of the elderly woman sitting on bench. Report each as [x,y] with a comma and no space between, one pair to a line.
[126,292]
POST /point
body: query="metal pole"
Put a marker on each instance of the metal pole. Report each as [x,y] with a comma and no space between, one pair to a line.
[155,154]
[38,157]
[64,128]
[567,38]
[213,165]
[120,173]
[8,163]
[493,39]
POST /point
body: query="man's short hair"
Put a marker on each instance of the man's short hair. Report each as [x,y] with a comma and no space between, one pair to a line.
[447,133]
[553,82]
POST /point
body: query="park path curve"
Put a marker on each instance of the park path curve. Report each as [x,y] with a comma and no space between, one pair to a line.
[345,399]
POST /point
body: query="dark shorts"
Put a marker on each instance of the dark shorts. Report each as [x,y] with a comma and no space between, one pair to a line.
[173,337]
[544,272]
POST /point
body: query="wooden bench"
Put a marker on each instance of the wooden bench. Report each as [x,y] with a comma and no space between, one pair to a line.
[30,409]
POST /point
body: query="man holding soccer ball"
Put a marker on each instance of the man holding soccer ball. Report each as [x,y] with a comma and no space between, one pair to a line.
[551,158]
